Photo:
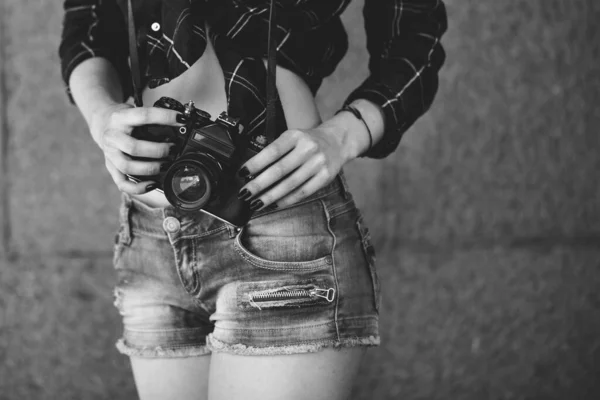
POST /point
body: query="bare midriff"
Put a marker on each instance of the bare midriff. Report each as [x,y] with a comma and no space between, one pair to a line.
[204,84]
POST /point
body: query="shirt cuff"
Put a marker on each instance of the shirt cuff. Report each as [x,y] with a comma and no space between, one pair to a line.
[386,99]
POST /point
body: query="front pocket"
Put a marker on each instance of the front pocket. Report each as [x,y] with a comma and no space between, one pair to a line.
[294,239]
[283,294]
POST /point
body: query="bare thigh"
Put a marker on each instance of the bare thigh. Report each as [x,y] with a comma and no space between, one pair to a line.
[171,378]
[328,374]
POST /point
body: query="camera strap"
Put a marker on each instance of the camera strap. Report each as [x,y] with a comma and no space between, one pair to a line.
[271,87]
[133,57]
[271,108]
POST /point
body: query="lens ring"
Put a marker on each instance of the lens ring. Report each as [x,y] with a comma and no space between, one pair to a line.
[190,184]
[190,181]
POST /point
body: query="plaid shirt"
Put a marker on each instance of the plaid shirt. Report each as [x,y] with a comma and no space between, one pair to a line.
[403,40]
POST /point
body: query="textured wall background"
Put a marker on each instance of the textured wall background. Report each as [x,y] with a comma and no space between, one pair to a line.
[486,220]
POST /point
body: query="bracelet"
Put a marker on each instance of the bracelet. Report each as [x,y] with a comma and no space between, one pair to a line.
[358,115]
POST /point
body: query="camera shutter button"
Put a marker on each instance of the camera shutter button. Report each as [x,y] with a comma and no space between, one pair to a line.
[171,225]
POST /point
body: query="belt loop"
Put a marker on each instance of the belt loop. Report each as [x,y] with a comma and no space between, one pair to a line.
[342,179]
[124,219]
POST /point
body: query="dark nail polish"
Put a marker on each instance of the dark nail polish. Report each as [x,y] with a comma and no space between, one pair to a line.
[151,187]
[244,194]
[164,167]
[256,204]
[182,119]
[243,172]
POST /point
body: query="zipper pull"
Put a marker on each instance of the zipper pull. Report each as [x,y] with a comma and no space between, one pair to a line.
[327,294]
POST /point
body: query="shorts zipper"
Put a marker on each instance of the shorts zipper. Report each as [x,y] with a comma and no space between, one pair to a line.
[327,294]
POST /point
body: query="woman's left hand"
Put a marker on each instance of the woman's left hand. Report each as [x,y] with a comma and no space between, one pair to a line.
[294,166]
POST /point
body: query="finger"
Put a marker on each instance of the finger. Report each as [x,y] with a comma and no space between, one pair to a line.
[315,183]
[127,165]
[274,173]
[124,184]
[145,116]
[306,171]
[267,156]
[135,147]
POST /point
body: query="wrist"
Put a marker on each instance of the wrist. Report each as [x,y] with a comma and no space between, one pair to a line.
[359,127]
[351,133]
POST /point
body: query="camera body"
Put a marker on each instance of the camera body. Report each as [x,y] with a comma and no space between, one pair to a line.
[206,156]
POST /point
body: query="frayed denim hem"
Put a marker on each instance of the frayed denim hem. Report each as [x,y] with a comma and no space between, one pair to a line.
[216,345]
[160,352]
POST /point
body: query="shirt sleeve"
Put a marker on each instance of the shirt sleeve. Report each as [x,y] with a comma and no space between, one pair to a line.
[403,40]
[94,28]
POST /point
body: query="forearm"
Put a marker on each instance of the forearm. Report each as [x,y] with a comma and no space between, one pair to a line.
[353,133]
[95,86]
[405,58]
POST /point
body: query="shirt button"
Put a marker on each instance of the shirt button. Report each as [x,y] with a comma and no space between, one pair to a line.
[155,27]
[171,224]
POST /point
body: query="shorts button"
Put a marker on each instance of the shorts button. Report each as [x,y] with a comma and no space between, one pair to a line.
[171,224]
[155,26]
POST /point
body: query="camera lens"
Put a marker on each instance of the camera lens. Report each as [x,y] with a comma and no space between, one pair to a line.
[190,184]
[191,180]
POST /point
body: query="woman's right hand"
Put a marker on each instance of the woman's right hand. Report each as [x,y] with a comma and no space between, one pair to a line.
[111,128]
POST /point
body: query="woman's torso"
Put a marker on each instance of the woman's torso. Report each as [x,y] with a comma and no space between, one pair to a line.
[204,84]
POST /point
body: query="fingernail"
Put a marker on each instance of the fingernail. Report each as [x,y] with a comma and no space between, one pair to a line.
[151,187]
[256,204]
[244,194]
[243,172]
[164,167]
[182,119]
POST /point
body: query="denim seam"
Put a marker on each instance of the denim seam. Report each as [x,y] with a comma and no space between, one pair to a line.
[284,344]
[131,346]
[197,236]
[333,268]
[165,330]
[342,213]
[344,207]
[375,317]
[194,270]
[179,266]
[300,203]
[365,238]
[153,235]
[342,178]
[156,235]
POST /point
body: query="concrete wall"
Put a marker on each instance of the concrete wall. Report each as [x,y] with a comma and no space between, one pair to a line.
[486,220]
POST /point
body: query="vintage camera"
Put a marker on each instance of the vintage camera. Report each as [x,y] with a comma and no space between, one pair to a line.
[208,153]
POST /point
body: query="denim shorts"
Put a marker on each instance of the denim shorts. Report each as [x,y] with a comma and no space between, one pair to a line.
[292,280]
